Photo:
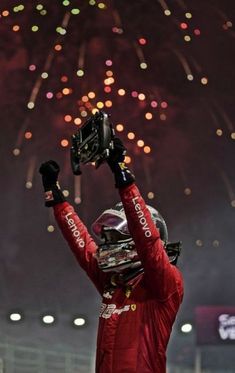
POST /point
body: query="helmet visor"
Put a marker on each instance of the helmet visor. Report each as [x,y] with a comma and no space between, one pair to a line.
[114,220]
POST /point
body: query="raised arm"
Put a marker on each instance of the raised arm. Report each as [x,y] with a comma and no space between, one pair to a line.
[72,228]
[162,278]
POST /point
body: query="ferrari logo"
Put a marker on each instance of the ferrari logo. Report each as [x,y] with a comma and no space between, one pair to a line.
[133,307]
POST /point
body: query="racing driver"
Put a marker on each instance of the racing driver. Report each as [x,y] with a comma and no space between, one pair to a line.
[133,268]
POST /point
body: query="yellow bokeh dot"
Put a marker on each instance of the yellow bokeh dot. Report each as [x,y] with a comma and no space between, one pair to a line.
[204,80]
[94,111]
[190,77]
[28,184]
[100,104]
[188,15]
[187,38]
[219,132]
[109,81]
[233,135]
[44,75]
[143,65]
[102,6]
[80,72]
[150,195]
[30,105]
[50,228]
[167,12]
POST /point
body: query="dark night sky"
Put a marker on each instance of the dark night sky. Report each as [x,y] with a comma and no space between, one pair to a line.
[191,140]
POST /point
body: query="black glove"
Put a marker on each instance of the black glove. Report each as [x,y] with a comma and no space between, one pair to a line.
[122,174]
[50,171]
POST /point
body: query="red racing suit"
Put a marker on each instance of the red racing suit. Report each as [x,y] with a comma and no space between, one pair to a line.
[136,317]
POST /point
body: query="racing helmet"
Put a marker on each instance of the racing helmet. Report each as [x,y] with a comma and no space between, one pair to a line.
[116,250]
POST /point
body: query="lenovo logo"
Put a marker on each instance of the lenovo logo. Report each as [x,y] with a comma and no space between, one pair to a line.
[141,218]
[74,230]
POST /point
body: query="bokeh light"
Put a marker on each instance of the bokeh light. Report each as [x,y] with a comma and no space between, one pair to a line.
[142,41]
[28,135]
[187,191]
[141,96]
[48,319]
[127,159]
[16,28]
[131,135]
[183,26]
[100,105]
[121,92]
[91,95]
[143,65]
[64,143]
[187,38]
[119,127]
[164,105]
[140,143]
[50,228]
[80,73]
[188,15]
[147,149]
[108,103]
[15,316]
[108,63]
[154,104]
[204,80]
[148,116]
[77,121]
[32,67]
[58,47]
